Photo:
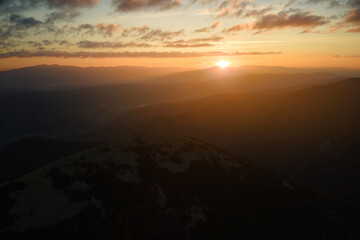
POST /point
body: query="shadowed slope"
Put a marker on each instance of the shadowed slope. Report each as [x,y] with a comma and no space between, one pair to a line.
[30,153]
[157,186]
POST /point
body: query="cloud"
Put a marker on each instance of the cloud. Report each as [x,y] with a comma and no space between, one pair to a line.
[213,38]
[17,26]
[84,28]
[153,54]
[20,5]
[64,43]
[186,45]
[135,5]
[258,12]
[282,20]
[21,21]
[336,3]
[237,28]
[353,16]
[35,44]
[61,15]
[162,35]
[352,20]
[225,12]
[91,44]
[354,3]
[208,29]
[331,3]
[70,3]
[137,31]
[194,42]
[107,29]
[234,8]
[289,3]
[7,44]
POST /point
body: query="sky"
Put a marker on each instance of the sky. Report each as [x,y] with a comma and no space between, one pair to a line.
[180,33]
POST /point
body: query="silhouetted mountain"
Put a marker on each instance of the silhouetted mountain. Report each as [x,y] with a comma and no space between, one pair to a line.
[30,153]
[46,77]
[157,186]
[311,135]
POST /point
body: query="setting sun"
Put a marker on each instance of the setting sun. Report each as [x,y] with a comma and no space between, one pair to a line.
[222,63]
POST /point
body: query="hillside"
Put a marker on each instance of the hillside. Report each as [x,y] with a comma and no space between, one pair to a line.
[159,186]
[29,153]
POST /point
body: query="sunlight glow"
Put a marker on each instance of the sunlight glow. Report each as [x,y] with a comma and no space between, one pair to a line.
[222,63]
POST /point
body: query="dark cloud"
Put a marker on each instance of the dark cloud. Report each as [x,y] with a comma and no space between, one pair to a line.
[352,20]
[92,44]
[59,54]
[5,45]
[134,5]
[320,1]
[354,3]
[209,28]
[257,12]
[64,43]
[61,15]
[289,3]
[35,44]
[17,26]
[107,29]
[47,42]
[69,3]
[282,20]
[162,35]
[84,28]
[353,16]
[334,3]
[20,5]
[135,31]
[21,21]
[233,8]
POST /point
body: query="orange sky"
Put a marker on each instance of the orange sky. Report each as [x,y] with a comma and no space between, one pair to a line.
[300,33]
[286,60]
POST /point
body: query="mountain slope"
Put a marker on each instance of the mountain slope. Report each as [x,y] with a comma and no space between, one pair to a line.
[30,153]
[158,186]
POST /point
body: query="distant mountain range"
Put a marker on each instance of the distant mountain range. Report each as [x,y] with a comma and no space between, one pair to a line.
[160,186]
[56,77]
[51,77]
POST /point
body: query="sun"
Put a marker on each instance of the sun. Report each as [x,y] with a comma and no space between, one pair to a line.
[222,63]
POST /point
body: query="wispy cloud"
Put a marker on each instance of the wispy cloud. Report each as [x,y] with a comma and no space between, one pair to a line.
[152,54]
[209,28]
[93,44]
